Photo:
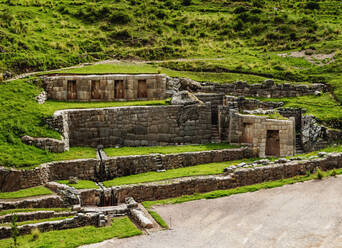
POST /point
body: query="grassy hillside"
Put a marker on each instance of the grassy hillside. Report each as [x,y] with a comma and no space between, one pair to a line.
[221,40]
[40,34]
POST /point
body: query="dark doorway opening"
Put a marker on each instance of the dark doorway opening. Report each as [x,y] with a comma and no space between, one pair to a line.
[95,89]
[272,143]
[72,90]
[119,89]
[142,89]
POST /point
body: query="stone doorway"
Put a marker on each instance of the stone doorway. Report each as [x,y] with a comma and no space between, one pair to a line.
[72,90]
[142,89]
[247,133]
[95,89]
[272,143]
[119,89]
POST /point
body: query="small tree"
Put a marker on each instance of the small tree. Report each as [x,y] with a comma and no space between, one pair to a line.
[14,229]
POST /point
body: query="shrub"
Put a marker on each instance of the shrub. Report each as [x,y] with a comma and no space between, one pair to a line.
[240,10]
[186,2]
[312,5]
[333,173]
[319,174]
[14,229]
[35,234]
[119,17]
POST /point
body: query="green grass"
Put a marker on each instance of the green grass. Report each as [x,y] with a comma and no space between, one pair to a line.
[89,31]
[72,238]
[38,221]
[203,169]
[239,190]
[49,107]
[158,219]
[35,191]
[81,184]
[26,210]
[323,107]
[126,151]
[113,68]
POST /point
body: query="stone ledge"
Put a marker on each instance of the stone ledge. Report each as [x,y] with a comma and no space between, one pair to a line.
[52,145]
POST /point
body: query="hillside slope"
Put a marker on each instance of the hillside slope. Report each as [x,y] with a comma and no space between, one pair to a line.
[40,34]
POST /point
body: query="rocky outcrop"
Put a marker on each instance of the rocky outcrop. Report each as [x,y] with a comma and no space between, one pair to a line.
[184,98]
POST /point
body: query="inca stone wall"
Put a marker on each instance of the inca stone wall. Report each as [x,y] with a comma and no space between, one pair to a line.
[73,222]
[253,130]
[267,89]
[52,145]
[243,103]
[88,169]
[241,177]
[140,126]
[111,87]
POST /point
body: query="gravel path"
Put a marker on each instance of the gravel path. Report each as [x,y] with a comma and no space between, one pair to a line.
[302,215]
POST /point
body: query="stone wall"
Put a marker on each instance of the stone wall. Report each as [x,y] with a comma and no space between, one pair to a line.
[243,103]
[36,215]
[293,112]
[48,201]
[105,87]
[78,221]
[215,99]
[268,89]
[139,125]
[241,177]
[87,169]
[254,130]
[49,144]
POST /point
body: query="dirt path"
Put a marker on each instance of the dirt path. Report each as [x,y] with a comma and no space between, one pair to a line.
[301,215]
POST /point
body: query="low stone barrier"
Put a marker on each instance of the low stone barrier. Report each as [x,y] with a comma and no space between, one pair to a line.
[52,145]
[36,215]
[52,201]
[241,177]
[88,169]
[79,221]
[267,89]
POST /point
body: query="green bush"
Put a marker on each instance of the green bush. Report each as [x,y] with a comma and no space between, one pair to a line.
[119,17]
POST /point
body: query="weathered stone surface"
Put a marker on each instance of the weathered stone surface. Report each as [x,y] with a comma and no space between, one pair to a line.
[141,218]
[184,98]
[106,87]
[78,221]
[138,126]
[52,145]
[87,169]
[240,177]
[267,89]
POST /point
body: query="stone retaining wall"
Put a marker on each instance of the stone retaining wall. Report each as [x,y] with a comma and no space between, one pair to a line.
[243,103]
[36,215]
[139,125]
[267,89]
[79,221]
[87,169]
[52,145]
[53,201]
[241,177]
